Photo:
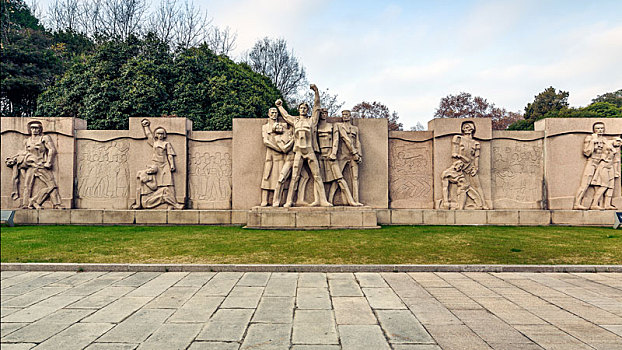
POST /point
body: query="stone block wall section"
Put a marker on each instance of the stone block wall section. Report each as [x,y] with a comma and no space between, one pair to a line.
[523,177]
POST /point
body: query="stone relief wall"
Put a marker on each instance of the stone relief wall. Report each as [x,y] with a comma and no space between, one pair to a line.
[518,172]
[209,170]
[103,175]
[410,169]
[564,164]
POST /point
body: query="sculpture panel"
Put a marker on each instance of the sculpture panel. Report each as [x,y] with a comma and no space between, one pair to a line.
[154,185]
[601,170]
[517,173]
[209,176]
[34,166]
[410,174]
[103,170]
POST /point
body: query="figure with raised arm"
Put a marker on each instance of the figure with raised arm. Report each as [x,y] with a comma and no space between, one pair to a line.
[328,138]
[305,146]
[593,146]
[607,171]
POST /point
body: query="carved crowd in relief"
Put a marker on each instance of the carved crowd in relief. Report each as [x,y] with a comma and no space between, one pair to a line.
[304,148]
[601,170]
[209,175]
[103,170]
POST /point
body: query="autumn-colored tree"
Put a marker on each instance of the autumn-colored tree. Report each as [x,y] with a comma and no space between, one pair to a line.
[378,110]
[464,105]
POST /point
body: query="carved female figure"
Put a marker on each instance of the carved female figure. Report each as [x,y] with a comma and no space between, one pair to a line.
[305,146]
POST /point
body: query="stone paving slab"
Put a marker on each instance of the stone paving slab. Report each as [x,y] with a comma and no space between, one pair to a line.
[235,310]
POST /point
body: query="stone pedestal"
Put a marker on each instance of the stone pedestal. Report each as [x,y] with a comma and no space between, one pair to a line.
[304,218]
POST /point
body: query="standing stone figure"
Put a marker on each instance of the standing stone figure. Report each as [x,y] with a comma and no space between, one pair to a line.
[328,138]
[285,142]
[466,150]
[454,176]
[350,155]
[35,162]
[275,157]
[604,177]
[305,146]
[161,168]
[593,147]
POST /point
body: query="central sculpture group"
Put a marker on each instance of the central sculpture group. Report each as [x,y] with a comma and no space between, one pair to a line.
[325,148]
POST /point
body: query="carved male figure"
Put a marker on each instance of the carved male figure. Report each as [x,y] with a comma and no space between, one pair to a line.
[350,155]
[593,146]
[35,162]
[466,149]
[274,155]
[454,176]
[149,195]
[328,138]
[305,146]
[163,159]
[607,170]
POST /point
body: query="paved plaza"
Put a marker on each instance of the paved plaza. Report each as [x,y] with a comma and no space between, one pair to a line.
[311,311]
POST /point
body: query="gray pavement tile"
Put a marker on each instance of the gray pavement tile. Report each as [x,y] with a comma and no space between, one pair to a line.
[41,309]
[362,337]
[353,310]
[254,279]
[340,276]
[118,310]
[405,286]
[111,346]
[77,336]
[138,327]
[546,335]
[102,298]
[20,346]
[243,298]
[401,326]
[383,298]
[221,284]
[22,278]
[431,312]
[172,336]
[226,325]
[275,310]
[456,337]
[202,345]
[314,327]
[344,288]
[195,279]
[8,274]
[454,299]
[312,280]
[313,298]
[490,328]
[370,279]
[590,333]
[416,347]
[34,283]
[96,285]
[288,275]
[137,279]
[172,298]
[77,279]
[197,309]
[281,287]
[487,280]
[158,285]
[506,346]
[586,311]
[429,279]
[32,297]
[267,336]
[508,311]
[47,327]
[8,328]
[6,311]
[316,347]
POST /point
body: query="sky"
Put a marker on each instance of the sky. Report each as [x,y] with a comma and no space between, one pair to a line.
[409,54]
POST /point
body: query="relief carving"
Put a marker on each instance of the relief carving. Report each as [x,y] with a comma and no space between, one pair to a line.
[154,185]
[103,170]
[601,170]
[460,182]
[34,165]
[209,175]
[517,172]
[409,172]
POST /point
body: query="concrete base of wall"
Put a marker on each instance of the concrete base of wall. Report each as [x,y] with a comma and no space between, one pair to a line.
[312,218]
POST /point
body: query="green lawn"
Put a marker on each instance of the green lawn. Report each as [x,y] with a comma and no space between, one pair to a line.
[388,245]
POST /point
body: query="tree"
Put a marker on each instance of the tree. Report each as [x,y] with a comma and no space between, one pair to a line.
[28,64]
[418,127]
[614,98]
[378,110]
[464,105]
[144,78]
[271,58]
[547,101]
